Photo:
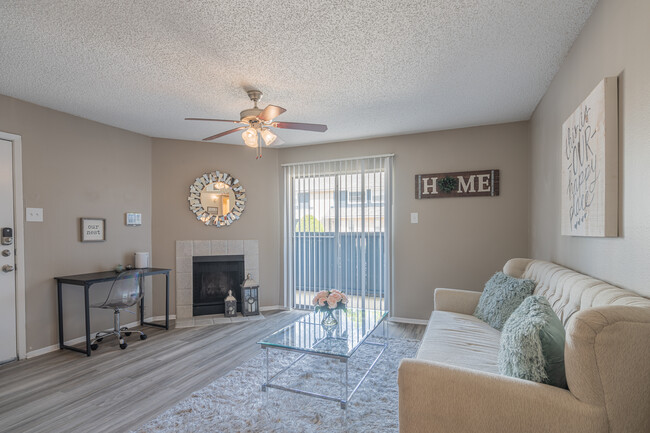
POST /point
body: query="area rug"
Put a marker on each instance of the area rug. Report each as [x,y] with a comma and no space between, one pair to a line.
[234,402]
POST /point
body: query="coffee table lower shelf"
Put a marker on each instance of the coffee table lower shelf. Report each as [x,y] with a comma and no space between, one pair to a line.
[344,398]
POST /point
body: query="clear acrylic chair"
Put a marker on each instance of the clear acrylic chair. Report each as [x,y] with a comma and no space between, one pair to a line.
[125,291]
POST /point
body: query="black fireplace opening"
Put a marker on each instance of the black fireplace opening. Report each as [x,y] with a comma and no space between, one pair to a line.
[213,277]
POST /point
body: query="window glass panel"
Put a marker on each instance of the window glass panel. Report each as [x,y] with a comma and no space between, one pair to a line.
[356,196]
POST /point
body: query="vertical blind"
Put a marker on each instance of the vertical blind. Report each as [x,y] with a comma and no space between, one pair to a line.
[337,227]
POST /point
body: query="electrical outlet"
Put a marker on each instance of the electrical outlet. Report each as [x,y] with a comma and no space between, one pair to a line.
[414,217]
[34,214]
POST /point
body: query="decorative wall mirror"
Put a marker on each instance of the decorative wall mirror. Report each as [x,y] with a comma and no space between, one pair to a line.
[217,199]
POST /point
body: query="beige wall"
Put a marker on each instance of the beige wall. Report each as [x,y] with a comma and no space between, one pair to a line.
[176,164]
[75,168]
[458,242]
[614,42]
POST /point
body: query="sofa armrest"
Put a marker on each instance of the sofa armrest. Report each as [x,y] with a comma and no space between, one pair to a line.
[435,397]
[606,362]
[455,300]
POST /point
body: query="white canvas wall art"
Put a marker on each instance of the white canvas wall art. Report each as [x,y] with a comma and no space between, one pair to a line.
[590,165]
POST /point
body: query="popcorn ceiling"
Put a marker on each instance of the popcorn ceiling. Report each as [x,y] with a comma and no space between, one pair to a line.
[365,68]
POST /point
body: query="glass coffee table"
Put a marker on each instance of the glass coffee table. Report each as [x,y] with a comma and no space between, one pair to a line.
[308,336]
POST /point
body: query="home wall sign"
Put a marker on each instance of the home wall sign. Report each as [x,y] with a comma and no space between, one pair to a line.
[590,165]
[458,184]
[217,199]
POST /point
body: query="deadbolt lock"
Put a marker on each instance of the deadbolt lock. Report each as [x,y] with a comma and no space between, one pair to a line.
[6,253]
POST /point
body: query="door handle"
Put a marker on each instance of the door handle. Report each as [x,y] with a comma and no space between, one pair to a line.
[7,268]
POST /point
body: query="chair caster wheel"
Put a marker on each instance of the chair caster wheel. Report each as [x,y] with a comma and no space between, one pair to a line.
[123,346]
[128,334]
[94,346]
[143,336]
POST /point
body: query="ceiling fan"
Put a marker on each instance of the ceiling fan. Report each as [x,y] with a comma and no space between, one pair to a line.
[257,123]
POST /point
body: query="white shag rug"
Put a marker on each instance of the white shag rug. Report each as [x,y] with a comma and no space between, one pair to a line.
[234,402]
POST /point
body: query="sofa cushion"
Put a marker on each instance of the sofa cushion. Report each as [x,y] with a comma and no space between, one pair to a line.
[532,344]
[461,340]
[501,296]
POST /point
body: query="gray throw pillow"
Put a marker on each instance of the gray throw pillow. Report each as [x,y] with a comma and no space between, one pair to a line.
[532,344]
[501,296]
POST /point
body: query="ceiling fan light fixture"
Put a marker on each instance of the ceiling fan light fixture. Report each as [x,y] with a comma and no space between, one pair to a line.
[250,137]
[255,122]
[268,136]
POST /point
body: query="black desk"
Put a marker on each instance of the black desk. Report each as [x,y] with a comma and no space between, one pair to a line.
[87,280]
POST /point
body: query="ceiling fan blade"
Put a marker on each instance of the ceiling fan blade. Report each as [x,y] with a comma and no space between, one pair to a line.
[270,113]
[302,126]
[221,134]
[214,120]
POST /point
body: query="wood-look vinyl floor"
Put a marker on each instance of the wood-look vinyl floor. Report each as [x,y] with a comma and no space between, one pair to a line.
[116,390]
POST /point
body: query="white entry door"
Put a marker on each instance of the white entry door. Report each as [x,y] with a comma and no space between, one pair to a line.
[7,259]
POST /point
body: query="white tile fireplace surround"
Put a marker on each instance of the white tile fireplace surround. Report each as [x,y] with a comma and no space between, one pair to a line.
[185,251]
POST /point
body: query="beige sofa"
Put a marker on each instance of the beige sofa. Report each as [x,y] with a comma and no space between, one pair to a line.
[453,384]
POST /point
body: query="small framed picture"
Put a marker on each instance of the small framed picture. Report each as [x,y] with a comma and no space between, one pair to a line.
[93,229]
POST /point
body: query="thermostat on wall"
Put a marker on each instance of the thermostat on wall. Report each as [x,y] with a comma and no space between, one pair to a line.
[133,219]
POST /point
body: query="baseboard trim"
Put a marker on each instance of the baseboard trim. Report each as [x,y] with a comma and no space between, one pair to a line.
[409,321]
[156,319]
[54,347]
[41,351]
[273,307]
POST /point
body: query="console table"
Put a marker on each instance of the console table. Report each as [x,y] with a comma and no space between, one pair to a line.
[86,281]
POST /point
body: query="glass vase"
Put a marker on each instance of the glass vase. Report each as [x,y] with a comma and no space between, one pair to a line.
[329,321]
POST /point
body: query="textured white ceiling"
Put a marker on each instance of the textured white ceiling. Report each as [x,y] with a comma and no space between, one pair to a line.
[364,67]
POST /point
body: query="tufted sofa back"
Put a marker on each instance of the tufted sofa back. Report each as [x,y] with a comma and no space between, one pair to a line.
[569,291]
[607,340]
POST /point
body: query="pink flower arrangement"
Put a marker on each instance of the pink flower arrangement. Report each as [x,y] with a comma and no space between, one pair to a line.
[330,300]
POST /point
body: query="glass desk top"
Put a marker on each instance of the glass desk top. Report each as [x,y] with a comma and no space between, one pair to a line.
[307,334]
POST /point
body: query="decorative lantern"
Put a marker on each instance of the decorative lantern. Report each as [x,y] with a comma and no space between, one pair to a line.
[249,297]
[231,305]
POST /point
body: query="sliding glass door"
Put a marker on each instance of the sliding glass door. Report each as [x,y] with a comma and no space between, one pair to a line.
[338,218]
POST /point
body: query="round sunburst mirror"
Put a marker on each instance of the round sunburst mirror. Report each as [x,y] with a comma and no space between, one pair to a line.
[217,199]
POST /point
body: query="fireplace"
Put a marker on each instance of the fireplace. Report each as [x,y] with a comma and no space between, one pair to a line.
[213,276]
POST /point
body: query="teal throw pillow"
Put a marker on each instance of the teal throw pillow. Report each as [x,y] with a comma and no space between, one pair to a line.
[532,344]
[501,296]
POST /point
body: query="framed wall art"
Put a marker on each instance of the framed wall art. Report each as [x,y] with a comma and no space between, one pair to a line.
[590,165]
[93,229]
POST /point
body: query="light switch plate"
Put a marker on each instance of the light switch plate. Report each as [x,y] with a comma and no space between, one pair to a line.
[414,217]
[34,214]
